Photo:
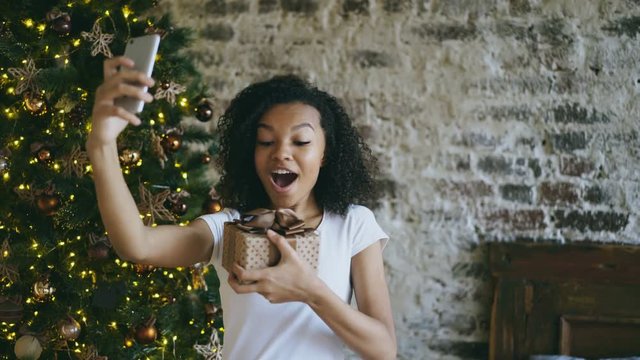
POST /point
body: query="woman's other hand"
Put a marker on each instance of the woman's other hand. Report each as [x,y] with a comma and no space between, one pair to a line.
[108,119]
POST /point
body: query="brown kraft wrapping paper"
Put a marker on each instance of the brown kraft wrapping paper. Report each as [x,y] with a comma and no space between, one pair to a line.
[256,251]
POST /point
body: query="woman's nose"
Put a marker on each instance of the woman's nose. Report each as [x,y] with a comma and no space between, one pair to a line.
[281,152]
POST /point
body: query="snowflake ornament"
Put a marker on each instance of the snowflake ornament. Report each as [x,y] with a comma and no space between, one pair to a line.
[168,91]
[152,206]
[100,40]
[25,77]
[212,350]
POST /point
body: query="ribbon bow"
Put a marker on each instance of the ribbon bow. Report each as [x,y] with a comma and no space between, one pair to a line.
[283,221]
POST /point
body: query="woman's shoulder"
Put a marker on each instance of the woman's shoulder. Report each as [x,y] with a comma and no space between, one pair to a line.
[226,214]
[356,213]
[359,211]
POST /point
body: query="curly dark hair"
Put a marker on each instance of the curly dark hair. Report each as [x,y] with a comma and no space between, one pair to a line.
[347,176]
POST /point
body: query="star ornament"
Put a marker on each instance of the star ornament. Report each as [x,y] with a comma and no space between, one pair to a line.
[100,40]
[169,91]
[76,162]
[25,76]
[212,350]
[152,206]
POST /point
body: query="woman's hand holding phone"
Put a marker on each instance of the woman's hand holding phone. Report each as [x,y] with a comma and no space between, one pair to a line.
[109,119]
[124,90]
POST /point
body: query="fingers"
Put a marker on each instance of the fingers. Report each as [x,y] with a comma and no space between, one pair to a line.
[246,276]
[280,242]
[121,89]
[243,281]
[110,66]
[241,288]
[133,77]
[107,110]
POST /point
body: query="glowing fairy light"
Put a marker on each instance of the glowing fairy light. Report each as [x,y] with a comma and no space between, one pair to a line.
[28,23]
[126,11]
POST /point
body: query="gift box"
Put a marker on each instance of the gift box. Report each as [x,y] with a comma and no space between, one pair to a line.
[245,240]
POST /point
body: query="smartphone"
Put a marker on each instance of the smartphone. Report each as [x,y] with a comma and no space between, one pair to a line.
[142,50]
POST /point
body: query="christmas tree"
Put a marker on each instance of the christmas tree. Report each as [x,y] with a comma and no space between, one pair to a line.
[63,291]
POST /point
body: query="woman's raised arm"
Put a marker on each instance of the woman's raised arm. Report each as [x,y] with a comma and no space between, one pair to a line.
[168,245]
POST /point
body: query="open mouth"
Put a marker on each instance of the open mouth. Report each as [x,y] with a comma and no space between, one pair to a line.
[283,178]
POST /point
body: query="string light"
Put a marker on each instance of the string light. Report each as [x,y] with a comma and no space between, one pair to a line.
[28,23]
[126,11]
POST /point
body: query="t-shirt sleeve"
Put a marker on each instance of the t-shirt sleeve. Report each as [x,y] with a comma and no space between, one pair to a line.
[216,225]
[366,230]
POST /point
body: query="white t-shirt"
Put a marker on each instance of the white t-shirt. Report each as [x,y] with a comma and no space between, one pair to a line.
[257,329]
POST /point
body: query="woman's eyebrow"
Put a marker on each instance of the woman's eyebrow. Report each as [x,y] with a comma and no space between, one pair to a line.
[295,127]
[306,124]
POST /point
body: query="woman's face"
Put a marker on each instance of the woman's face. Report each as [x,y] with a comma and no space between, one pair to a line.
[290,147]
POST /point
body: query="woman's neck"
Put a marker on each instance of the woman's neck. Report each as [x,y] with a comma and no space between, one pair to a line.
[309,211]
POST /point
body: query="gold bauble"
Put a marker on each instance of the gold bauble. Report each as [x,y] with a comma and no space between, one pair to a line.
[211,206]
[171,142]
[48,204]
[146,333]
[69,328]
[28,348]
[34,103]
[44,155]
[42,290]
[129,157]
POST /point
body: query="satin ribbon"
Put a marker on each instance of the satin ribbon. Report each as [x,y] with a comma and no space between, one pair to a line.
[283,221]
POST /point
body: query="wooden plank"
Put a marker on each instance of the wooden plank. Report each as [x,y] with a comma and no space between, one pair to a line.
[543,261]
[502,342]
[599,336]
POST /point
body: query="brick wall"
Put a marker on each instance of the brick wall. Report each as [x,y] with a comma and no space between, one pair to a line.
[495,120]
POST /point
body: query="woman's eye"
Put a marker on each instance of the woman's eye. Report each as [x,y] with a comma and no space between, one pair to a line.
[301,143]
[264,143]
